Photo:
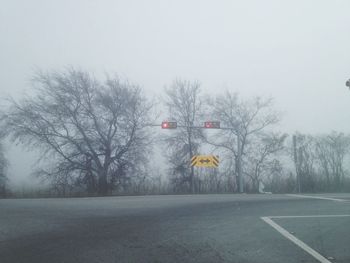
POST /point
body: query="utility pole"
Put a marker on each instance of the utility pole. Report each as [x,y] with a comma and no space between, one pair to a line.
[296,162]
[239,164]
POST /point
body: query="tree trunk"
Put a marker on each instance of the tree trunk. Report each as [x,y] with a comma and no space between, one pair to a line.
[102,183]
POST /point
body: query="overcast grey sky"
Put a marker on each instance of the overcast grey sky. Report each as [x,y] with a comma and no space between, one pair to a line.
[295,51]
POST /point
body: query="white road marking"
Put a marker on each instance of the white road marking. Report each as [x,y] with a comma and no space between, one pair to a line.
[318,197]
[309,216]
[295,240]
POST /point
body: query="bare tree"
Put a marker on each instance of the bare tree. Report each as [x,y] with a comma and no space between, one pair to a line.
[261,156]
[323,153]
[330,151]
[94,132]
[246,118]
[305,162]
[184,105]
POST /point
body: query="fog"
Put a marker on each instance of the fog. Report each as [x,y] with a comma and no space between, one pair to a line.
[294,51]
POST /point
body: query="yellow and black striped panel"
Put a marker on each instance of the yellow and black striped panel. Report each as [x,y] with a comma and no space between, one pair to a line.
[194,160]
[215,160]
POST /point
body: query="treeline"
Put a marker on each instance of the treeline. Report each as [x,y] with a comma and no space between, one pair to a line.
[321,162]
[98,138]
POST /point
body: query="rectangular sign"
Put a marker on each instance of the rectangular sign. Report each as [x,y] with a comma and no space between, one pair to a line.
[205,161]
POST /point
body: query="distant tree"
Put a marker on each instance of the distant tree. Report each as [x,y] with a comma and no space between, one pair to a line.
[184,105]
[278,180]
[95,132]
[261,156]
[247,118]
[320,161]
[306,163]
[331,151]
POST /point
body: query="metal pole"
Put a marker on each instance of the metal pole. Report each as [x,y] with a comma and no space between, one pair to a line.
[192,179]
[239,165]
[296,163]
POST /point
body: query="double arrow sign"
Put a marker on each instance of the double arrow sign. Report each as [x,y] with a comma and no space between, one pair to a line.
[205,161]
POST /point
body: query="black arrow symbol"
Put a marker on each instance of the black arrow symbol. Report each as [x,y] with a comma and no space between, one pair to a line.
[205,161]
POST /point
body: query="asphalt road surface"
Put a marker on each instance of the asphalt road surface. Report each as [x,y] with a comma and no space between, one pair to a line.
[198,228]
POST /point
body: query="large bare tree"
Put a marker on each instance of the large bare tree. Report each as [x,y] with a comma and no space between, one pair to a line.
[246,119]
[95,132]
[183,104]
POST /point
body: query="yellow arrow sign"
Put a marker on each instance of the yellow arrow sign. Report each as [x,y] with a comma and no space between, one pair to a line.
[205,161]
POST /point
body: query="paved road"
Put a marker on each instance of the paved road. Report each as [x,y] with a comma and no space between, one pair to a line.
[200,228]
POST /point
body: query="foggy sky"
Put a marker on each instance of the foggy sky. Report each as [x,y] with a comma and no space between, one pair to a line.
[295,51]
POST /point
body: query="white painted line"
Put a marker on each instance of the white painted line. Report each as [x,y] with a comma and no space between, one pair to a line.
[309,216]
[296,241]
[318,197]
